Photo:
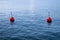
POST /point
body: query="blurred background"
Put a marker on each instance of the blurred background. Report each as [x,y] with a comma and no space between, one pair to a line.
[30,20]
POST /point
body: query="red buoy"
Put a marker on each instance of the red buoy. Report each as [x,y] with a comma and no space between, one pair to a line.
[12,19]
[49,19]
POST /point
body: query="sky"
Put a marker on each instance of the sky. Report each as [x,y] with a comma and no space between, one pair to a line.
[29,4]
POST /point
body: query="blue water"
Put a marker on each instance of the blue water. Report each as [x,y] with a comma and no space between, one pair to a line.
[29,26]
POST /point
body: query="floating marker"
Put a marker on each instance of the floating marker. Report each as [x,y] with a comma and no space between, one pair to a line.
[49,19]
[12,18]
